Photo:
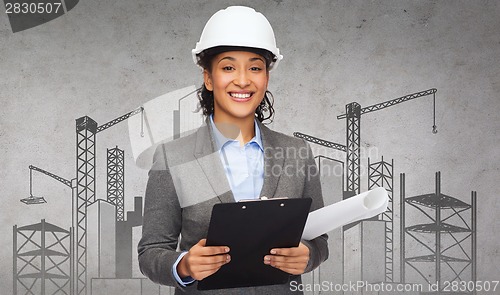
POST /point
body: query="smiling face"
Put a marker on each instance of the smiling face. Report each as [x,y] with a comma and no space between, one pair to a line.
[239,81]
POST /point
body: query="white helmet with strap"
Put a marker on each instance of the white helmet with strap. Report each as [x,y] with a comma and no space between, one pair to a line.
[238,26]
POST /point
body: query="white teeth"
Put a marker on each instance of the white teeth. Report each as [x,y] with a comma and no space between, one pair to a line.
[240,95]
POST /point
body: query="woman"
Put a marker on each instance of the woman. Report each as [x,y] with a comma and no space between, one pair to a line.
[232,157]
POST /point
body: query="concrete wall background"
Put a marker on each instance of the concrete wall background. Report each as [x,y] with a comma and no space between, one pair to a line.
[103,59]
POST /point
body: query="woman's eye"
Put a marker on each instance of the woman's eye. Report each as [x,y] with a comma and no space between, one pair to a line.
[256,69]
[228,68]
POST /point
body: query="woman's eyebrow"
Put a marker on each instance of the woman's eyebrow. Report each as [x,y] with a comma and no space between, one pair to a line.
[227,57]
[234,59]
[256,58]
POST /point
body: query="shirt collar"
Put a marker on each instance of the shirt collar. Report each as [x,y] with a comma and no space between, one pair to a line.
[221,140]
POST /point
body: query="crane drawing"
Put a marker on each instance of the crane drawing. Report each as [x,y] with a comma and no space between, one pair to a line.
[83,190]
[352,149]
[31,200]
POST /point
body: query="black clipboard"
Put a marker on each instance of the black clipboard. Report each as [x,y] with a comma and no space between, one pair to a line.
[251,229]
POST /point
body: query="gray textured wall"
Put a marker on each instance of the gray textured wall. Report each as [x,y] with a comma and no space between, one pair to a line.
[104,58]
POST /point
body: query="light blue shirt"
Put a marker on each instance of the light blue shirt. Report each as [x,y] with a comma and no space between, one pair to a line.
[244,169]
[243,165]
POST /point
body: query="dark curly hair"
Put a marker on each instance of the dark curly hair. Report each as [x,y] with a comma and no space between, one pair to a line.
[264,111]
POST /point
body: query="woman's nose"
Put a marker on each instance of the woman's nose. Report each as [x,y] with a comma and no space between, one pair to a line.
[242,79]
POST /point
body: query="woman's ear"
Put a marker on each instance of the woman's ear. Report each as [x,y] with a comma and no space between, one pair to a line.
[207,80]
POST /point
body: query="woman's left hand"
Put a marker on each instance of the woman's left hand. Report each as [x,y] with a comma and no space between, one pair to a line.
[291,260]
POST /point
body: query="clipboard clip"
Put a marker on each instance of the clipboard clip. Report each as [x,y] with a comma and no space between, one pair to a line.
[263,198]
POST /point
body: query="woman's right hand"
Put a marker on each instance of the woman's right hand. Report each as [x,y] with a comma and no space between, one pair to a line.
[202,261]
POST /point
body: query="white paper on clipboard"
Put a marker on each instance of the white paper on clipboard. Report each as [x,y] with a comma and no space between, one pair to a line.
[362,206]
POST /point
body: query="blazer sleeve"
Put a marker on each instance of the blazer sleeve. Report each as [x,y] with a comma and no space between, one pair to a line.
[161,224]
[318,247]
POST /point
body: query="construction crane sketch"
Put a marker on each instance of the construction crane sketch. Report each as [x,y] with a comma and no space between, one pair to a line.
[98,249]
[100,246]
[361,260]
[403,95]
[399,94]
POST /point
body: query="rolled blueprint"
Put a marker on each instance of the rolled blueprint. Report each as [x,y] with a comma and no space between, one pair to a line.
[362,206]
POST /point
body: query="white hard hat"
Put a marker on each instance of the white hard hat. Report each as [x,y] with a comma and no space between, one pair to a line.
[238,26]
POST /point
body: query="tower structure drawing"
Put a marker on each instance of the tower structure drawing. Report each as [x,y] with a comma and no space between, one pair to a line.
[42,259]
[116,181]
[353,134]
[86,129]
[381,174]
[446,238]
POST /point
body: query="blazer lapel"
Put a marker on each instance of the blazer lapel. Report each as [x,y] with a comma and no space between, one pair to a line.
[209,161]
[273,162]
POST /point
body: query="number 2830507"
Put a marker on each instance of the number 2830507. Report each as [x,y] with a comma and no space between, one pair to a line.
[32,8]
[470,286]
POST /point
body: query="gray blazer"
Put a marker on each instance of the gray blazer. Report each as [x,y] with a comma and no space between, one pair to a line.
[187,179]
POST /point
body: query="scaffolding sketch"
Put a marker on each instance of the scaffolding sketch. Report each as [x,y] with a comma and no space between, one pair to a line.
[116,180]
[88,263]
[75,264]
[83,190]
[381,174]
[445,241]
[42,259]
